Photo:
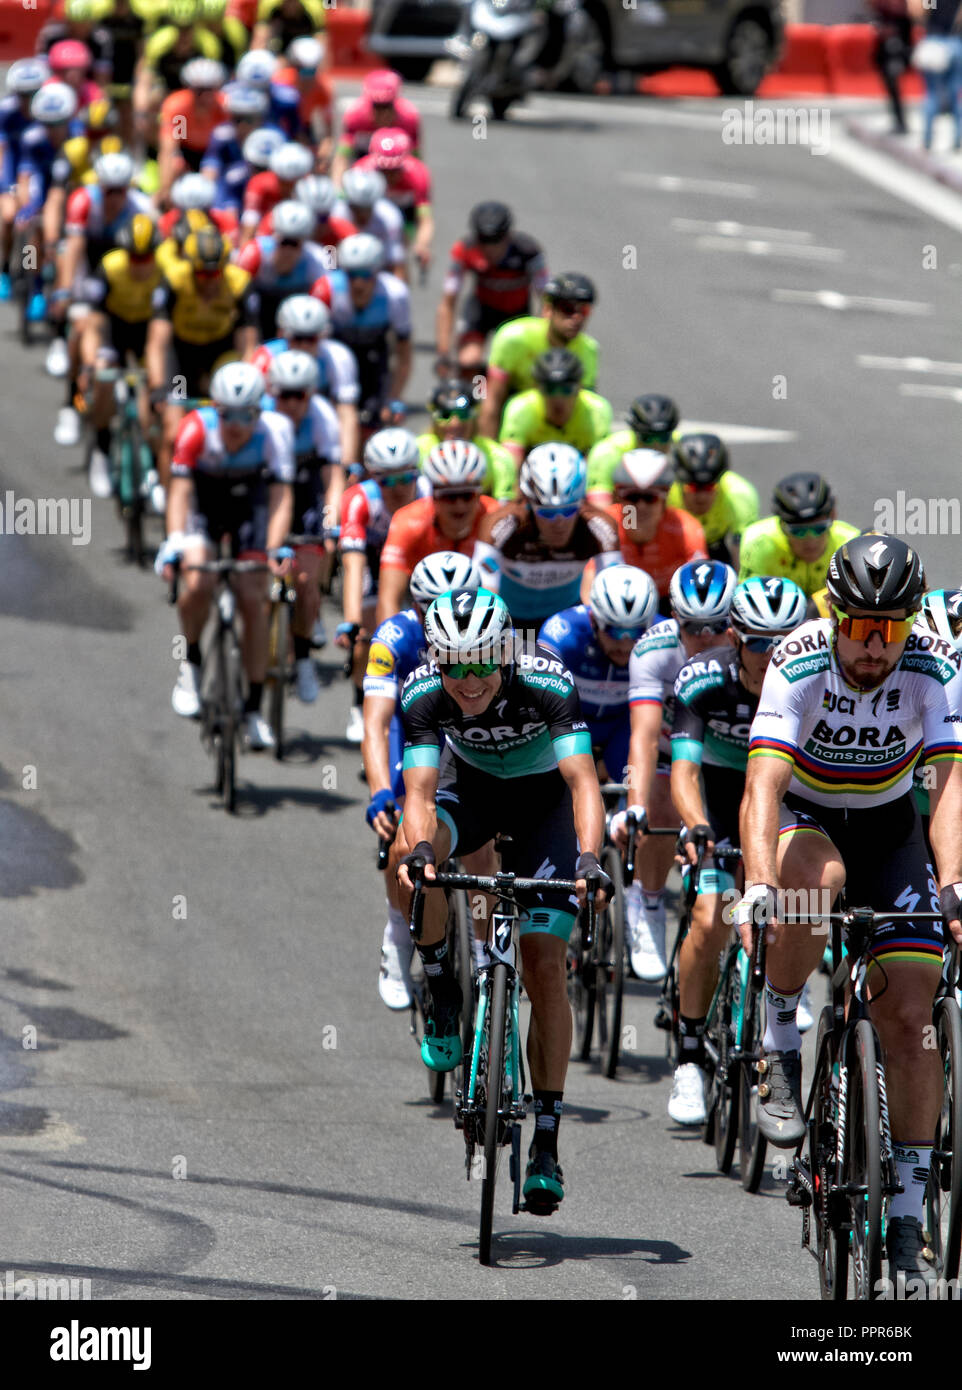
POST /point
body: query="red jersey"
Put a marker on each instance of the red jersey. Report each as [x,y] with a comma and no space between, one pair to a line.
[414,533]
[678,540]
[506,286]
[264,191]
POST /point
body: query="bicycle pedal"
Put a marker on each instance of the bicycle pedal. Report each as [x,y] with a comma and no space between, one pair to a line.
[663,1020]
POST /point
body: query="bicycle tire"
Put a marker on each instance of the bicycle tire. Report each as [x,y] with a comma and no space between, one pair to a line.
[233,702]
[752,1143]
[461,938]
[497,1022]
[611,861]
[831,1249]
[943,1195]
[586,997]
[277,673]
[726,1094]
[862,1165]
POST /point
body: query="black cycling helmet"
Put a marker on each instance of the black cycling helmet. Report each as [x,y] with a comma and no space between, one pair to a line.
[447,400]
[557,367]
[653,415]
[699,458]
[491,221]
[570,285]
[877,572]
[803,497]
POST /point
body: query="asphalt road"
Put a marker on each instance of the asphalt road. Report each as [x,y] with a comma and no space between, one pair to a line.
[201,1095]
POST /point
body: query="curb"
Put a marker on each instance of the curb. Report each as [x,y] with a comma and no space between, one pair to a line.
[919,160]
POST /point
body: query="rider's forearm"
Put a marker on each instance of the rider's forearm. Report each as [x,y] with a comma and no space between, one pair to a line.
[178,504]
[686,793]
[420,817]
[643,752]
[350,435]
[589,812]
[402,368]
[375,745]
[281,502]
[946,817]
[758,823]
[353,563]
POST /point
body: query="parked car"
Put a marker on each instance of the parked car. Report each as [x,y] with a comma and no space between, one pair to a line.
[737,41]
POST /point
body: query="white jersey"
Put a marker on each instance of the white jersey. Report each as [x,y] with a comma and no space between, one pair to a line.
[655,662]
[856,748]
[386,223]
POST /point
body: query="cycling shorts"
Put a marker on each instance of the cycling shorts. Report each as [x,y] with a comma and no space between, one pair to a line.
[234,506]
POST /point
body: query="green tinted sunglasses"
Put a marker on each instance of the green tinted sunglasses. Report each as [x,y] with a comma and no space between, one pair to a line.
[460,669]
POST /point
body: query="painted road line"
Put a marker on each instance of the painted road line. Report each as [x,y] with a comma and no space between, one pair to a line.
[738,434]
[895,178]
[786,249]
[739,229]
[672,183]
[909,364]
[943,393]
[832,299]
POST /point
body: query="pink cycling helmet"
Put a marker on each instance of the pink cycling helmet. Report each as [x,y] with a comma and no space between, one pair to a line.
[69,54]
[390,148]
[382,86]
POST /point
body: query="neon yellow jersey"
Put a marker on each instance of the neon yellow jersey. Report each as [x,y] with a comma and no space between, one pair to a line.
[765,550]
[519,342]
[525,425]
[501,478]
[160,43]
[733,510]
[605,458]
[266,10]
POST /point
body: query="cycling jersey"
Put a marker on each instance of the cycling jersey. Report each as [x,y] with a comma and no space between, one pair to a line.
[44,164]
[285,28]
[327,233]
[410,191]
[765,550]
[335,363]
[188,122]
[317,444]
[414,533]
[126,31]
[358,124]
[602,686]
[366,524]
[678,540]
[505,287]
[733,509]
[258,258]
[389,310]
[317,100]
[501,477]
[13,123]
[200,321]
[524,423]
[856,748]
[263,192]
[163,57]
[114,289]
[535,579]
[656,660]
[85,217]
[385,223]
[397,647]
[516,345]
[223,160]
[712,724]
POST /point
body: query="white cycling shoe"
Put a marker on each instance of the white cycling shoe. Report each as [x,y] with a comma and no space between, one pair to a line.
[308,686]
[258,733]
[98,475]
[57,362]
[186,696]
[687,1103]
[67,429]
[394,981]
[645,932]
[355,725]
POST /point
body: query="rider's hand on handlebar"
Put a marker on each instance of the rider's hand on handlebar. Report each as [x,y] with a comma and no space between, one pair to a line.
[381,814]
[757,907]
[345,635]
[690,841]
[422,856]
[950,901]
[619,825]
[588,864]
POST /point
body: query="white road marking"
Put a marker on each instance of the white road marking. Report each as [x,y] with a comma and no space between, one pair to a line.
[910,364]
[944,393]
[918,189]
[739,229]
[738,434]
[789,250]
[672,183]
[833,299]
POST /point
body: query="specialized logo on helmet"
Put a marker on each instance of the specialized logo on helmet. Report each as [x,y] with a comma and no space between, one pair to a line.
[463,604]
[703,573]
[878,552]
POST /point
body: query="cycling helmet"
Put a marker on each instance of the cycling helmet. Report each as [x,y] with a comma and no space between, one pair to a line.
[211,11]
[381,86]
[360,252]
[306,53]
[942,614]
[316,192]
[183,13]
[762,607]
[803,497]
[203,75]
[190,220]
[391,451]
[455,463]
[653,415]
[362,187]
[390,148]
[623,596]
[257,68]
[293,371]
[557,367]
[469,625]
[27,75]
[192,191]
[114,170]
[699,458]
[292,161]
[260,145]
[553,475]
[644,468]
[701,592]
[490,221]
[303,316]
[570,285]
[81,11]
[237,384]
[879,572]
[447,400]
[206,250]
[293,221]
[54,104]
[138,237]
[69,54]
[244,103]
[438,573]
[100,116]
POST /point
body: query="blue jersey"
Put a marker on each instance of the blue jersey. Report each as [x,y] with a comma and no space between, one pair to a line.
[44,163]
[12,125]
[602,686]
[397,649]
[284,112]
[224,158]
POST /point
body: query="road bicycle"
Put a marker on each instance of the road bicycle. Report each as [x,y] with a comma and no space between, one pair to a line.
[132,469]
[943,1195]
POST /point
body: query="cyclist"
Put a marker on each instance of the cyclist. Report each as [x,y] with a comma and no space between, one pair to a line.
[942,614]
[532,777]
[516,346]
[43,174]
[231,478]
[556,410]
[315,98]
[368,510]
[449,519]
[317,193]
[506,265]
[408,187]
[799,540]
[81,36]
[379,107]
[397,647]
[259,69]
[194,204]
[651,423]
[245,110]
[286,262]
[365,205]
[289,164]
[724,502]
[126,28]
[716,697]
[280,22]
[188,119]
[533,552]
[848,706]
[24,78]
[72,61]
[700,598]
[454,415]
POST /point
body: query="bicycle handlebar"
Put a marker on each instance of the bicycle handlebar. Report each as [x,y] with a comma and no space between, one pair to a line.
[502,885]
[223,568]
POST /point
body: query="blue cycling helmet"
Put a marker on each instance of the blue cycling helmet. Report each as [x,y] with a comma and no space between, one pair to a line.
[701,592]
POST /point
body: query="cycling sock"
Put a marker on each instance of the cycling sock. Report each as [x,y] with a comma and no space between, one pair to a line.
[103,440]
[912,1165]
[193,653]
[437,967]
[252,704]
[652,900]
[691,1037]
[397,930]
[358,695]
[302,648]
[781,1028]
[547,1117]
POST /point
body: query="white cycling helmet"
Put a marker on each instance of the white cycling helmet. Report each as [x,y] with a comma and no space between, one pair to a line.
[553,475]
[237,384]
[455,463]
[306,53]
[391,451]
[469,625]
[764,607]
[644,468]
[260,146]
[303,316]
[54,104]
[438,573]
[257,68]
[293,371]
[701,592]
[623,598]
[193,191]
[246,103]
[27,75]
[293,220]
[360,252]
[292,161]
[203,75]
[363,187]
[942,614]
[114,170]
[317,192]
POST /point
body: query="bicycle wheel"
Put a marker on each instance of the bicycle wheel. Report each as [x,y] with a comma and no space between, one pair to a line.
[614,1001]
[233,704]
[943,1195]
[725,1090]
[831,1245]
[461,945]
[862,1168]
[277,672]
[581,991]
[752,1144]
[497,1021]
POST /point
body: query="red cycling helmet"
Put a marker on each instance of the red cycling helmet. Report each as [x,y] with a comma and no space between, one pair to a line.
[390,148]
[69,54]
[382,87]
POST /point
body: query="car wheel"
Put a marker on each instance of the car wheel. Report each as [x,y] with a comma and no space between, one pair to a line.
[589,63]
[412,68]
[748,56]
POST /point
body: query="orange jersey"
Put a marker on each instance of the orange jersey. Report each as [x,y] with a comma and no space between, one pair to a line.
[182,122]
[413,534]
[678,540]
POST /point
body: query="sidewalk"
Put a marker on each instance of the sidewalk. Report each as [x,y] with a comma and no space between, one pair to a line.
[942,162]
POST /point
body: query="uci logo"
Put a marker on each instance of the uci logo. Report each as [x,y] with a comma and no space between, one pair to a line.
[843,703]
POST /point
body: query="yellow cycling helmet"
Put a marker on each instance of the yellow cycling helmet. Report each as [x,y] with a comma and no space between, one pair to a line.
[191,220]
[183,13]
[206,250]
[139,237]
[211,11]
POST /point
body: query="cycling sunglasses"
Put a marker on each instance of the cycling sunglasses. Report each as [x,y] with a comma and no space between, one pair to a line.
[458,670]
[561,388]
[557,513]
[292,395]
[761,644]
[463,412]
[571,306]
[238,415]
[621,634]
[293,242]
[861,629]
[800,529]
[464,494]
[649,496]
[700,487]
[360,274]
[696,629]
[398,479]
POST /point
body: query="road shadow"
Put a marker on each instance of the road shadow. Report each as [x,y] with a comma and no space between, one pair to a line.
[536,1249]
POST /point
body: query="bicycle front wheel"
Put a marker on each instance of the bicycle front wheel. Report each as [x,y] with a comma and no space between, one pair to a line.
[862,1168]
[233,704]
[581,991]
[724,1090]
[497,1020]
[615,939]
[831,1245]
[277,673]
[943,1195]
[751,1158]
